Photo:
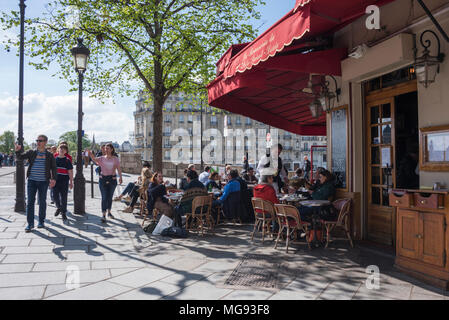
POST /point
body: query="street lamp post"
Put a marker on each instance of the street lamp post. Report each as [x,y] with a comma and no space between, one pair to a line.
[20,169]
[80,55]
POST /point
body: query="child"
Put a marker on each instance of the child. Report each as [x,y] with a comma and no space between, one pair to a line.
[64,180]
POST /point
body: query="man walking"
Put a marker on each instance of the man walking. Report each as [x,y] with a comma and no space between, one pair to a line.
[41,173]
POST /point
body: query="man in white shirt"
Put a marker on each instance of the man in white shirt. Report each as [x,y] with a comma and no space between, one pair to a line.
[204,176]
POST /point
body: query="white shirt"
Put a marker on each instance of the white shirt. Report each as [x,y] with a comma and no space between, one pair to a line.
[204,176]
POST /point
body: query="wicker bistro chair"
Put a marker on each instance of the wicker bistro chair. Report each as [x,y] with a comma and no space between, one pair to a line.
[344,208]
[201,208]
[289,218]
[264,214]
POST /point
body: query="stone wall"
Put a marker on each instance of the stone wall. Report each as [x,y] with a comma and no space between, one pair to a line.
[131,162]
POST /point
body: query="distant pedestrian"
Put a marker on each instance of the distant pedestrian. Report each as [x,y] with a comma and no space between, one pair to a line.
[41,173]
[1,159]
[109,164]
[306,167]
[64,180]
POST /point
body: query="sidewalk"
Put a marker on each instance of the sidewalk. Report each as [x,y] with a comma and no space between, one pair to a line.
[118,260]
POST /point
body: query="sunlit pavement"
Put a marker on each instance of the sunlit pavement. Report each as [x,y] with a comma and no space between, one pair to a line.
[85,259]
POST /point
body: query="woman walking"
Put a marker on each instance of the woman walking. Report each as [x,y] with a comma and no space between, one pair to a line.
[109,164]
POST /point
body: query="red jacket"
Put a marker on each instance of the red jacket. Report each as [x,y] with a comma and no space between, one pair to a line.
[266,192]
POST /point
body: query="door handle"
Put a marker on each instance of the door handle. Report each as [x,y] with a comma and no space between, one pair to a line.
[419,236]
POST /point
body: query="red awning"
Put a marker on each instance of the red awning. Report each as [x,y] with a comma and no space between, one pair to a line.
[263,79]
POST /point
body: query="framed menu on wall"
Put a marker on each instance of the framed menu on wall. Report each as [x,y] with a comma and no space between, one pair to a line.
[339,146]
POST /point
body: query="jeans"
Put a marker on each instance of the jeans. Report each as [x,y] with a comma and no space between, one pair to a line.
[107,192]
[129,188]
[41,188]
[60,194]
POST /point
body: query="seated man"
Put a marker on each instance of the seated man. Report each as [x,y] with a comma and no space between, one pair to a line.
[204,176]
[192,180]
[249,176]
[231,191]
[183,183]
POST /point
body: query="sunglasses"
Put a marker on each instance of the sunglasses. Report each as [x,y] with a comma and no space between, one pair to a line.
[40,140]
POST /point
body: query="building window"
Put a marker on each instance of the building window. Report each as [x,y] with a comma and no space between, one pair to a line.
[181,118]
[190,131]
[167,118]
[229,122]
[213,120]
[248,121]
[167,155]
[238,121]
[306,146]
[190,118]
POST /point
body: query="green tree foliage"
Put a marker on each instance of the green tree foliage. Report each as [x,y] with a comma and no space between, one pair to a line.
[72,141]
[160,46]
[7,140]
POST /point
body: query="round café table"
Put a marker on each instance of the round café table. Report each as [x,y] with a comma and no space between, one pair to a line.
[318,206]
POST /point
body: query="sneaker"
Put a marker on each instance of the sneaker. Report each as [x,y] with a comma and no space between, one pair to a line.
[64,217]
[128,198]
[41,225]
[110,216]
[57,212]
[29,228]
[117,198]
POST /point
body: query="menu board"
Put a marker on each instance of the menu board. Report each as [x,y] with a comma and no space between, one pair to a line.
[339,132]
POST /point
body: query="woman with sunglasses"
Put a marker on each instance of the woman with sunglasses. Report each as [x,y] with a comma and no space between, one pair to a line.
[109,164]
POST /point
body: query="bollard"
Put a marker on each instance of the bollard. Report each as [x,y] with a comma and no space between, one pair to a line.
[92,180]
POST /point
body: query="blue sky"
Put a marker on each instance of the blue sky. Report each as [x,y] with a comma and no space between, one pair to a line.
[46,95]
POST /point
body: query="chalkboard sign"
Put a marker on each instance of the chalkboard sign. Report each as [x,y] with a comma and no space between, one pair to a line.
[339,147]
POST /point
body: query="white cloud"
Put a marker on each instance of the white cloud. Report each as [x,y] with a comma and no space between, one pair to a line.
[54,115]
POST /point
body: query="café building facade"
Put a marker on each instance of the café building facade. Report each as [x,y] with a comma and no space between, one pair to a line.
[379,90]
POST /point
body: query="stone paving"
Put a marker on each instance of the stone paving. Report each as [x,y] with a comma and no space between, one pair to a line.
[119,261]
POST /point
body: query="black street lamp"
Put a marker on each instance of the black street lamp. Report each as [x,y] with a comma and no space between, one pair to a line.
[80,55]
[20,169]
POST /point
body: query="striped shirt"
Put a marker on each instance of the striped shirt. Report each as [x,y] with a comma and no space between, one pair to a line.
[37,171]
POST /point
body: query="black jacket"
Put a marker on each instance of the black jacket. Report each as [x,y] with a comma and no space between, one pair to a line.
[50,162]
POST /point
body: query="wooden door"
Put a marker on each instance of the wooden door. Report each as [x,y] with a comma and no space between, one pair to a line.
[408,229]
[431,234]
[381,176]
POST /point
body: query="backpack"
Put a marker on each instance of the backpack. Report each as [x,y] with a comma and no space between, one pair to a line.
[174,232]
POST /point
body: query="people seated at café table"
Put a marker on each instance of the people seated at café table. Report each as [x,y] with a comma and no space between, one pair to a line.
[204,176]
[231,197]
[132,188]
[265,190]
[191,167]
[249,176]
[233,185]
[324,191]
[183,183]
[156,196]
[298,181]
[212,182]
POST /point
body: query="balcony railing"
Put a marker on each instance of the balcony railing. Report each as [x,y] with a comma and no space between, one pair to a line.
[167,120]
[287,136]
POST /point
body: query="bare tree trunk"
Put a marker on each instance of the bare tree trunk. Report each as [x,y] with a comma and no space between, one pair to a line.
[157,131]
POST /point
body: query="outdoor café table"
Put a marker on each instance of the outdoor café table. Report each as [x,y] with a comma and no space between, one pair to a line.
[318,206]
[174,198]
[291,199]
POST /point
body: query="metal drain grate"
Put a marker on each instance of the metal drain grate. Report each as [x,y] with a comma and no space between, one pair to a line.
[255,271]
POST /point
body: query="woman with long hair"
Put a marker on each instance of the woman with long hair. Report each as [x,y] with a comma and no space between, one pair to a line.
[156,196]
[144,180]
[109,164]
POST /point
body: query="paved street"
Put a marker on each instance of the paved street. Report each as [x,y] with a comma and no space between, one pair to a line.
[119,261]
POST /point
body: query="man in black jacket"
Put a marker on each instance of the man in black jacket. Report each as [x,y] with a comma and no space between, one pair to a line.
[41,174]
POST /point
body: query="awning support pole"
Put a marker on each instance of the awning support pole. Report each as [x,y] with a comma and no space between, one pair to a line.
[435,22]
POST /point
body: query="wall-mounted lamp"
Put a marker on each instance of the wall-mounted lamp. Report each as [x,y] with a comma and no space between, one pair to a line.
[327,97]
[427,66]
[315,108]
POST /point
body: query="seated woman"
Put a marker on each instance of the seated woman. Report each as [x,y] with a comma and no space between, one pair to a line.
[298,181]
[211,183]
[145,177]
[325,191]
[156,196]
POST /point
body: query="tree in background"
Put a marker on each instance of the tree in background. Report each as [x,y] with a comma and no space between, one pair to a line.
[7,142]
[72,141]
[163,46]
